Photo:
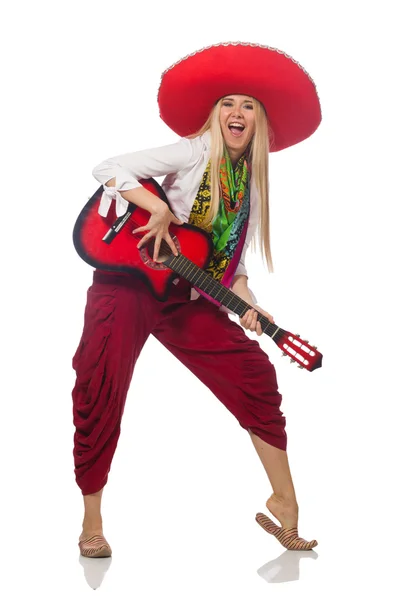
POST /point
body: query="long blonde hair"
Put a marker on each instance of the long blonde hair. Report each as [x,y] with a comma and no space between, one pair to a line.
[258,158]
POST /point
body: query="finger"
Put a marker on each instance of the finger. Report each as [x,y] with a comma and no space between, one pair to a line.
[267,315]
[143,228]
[253,316]
[247,318]
[171,244]
[254,321]
[176,221]
[145,239]
[157,245]
[243,319]
[258,329]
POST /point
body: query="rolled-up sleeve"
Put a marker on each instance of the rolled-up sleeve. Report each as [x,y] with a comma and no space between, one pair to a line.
[128,169]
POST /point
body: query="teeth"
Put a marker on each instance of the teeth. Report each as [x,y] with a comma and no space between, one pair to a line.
[239,125]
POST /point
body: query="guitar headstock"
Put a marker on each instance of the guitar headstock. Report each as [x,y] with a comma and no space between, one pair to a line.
[300,351]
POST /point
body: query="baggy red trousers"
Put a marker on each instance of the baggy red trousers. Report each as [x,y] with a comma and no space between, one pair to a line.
[120,315]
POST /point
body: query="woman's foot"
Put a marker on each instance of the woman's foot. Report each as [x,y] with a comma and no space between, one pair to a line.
[92,543]
[287,513]
[95,547]
[89,533]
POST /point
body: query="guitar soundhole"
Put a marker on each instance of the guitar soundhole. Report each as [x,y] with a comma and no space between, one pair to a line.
[146,253]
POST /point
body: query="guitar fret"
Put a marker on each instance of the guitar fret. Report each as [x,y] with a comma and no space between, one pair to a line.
[202,274]
[183,267]
[195,279]
[220,292]
[190,269]
[193,273]
[235,302]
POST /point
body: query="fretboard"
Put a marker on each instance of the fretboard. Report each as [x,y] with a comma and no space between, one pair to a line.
[203,281]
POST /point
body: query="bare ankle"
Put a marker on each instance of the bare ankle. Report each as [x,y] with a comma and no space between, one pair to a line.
[285,509]
[287,501]
[88,532]
[90,523]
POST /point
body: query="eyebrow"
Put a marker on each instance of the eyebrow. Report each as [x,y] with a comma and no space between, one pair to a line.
[231,100]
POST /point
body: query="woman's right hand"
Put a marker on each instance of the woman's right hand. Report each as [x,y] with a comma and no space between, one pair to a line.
[157,227]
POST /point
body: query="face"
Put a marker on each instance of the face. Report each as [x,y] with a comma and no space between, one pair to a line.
[237,122]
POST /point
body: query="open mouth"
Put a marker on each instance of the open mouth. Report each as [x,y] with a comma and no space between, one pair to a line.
[236,129]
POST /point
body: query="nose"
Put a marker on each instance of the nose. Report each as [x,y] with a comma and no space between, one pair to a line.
[237,112]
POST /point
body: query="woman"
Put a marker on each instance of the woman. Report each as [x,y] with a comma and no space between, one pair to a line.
[232,104]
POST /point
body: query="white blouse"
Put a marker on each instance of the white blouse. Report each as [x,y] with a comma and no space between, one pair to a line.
[183,164]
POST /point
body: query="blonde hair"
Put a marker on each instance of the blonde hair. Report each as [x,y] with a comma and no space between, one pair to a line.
[258,158]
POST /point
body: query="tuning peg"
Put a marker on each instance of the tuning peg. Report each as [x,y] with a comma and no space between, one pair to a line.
[315,347]
[284,354]
[300,367]
[292,360]
[297,334]
[307,341]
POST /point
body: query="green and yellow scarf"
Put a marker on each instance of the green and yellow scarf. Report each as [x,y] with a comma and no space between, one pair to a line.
[232,215]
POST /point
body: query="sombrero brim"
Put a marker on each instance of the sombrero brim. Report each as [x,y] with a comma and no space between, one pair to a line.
[190,88]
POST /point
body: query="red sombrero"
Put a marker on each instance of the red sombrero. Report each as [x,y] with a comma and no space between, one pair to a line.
[189,89]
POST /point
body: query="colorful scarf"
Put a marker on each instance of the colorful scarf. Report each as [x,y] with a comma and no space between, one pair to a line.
[234,208]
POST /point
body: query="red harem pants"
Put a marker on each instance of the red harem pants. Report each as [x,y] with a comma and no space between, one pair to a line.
[120,315]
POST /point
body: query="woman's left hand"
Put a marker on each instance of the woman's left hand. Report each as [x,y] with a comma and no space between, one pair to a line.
[250,319]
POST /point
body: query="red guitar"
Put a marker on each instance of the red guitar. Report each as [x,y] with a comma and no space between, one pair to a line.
[106,243]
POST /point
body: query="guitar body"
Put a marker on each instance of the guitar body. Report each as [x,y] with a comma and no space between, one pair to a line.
[122,253]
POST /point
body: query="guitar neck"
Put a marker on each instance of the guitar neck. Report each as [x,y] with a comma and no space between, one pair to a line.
[202,280]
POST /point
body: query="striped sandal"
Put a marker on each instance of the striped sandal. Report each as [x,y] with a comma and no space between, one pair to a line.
[287,537]
[95,547]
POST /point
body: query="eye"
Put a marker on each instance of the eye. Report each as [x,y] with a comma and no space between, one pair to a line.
[249,106]
[227,103]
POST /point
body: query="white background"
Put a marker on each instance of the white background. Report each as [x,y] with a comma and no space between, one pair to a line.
[79,84]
